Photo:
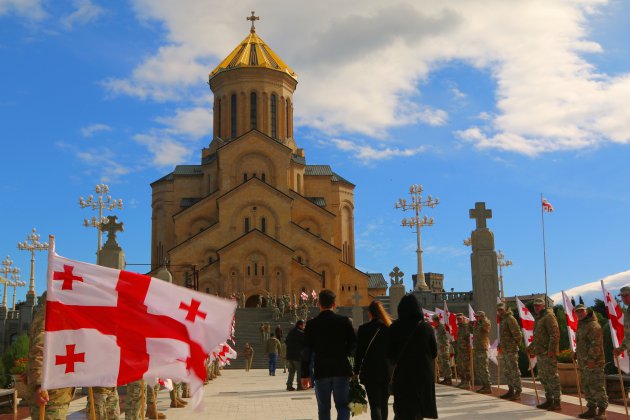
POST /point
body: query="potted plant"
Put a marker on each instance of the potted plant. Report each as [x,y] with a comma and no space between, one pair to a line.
[18,373]
[567,371]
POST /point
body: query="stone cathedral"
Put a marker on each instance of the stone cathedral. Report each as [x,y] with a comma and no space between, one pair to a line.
[254,217]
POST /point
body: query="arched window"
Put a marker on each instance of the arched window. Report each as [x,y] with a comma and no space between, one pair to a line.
[249,270]
[210,259]
[299,259]
[262,176]
[246,225]
[255,269]
[274,126]
[342,287]
[262,268]
[255,176]
[233,116]
[218,111]
[244,177]
[323,279]
[253,112]
[263,225]
[287,120]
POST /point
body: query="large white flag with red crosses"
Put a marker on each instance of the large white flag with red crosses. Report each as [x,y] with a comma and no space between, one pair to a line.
[472,316]
[527,325]
[107,327]
[572,321]
[615,320]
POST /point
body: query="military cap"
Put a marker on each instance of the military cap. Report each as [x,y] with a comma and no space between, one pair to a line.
[580,307]
[624,290]
[435,317]
[501,305]
[481,313]
[539,301]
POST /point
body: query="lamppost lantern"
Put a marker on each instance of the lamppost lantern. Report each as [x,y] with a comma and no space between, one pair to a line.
[415,205]
[8,269]
[467,242]
[104,201]
[32,244]
[501,263]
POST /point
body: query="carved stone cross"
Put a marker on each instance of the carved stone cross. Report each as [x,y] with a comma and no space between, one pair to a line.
[253,18]
[357,298]
[396,276]
[480,214]
[111,227]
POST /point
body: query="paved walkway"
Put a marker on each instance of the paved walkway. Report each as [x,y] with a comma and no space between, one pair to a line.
[256,395]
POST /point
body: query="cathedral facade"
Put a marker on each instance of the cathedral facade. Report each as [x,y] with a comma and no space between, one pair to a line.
[254,217]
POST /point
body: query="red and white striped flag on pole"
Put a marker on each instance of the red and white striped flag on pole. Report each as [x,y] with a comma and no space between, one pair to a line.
[572,321]
[527,325]
[615,321]
[546,206]
[107,327]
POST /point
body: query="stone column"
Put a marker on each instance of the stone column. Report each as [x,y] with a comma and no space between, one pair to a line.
[483,263]
[396,291]
[357,311]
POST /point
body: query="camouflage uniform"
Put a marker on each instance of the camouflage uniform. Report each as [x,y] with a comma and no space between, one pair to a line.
[546,339]
[59,399]
[481,331]
[462,359]
[133,406]
[510,340]
[590,348]
[106,403]
[625,344]
[443,351]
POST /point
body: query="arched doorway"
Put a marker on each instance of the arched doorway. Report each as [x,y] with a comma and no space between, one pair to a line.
[252,301]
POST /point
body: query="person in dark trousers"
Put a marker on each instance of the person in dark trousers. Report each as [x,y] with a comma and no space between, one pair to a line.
[370,362]
[273,347]
[295,343]
[412,349]
[331,338]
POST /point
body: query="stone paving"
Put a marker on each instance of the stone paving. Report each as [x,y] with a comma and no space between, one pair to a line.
[241,395]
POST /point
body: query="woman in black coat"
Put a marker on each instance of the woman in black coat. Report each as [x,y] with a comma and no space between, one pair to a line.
[370,360]
[412,349]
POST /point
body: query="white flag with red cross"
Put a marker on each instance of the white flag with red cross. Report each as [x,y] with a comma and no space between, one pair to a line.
[615,321]
[472,316]
[450,322]
[572,321]
[428,317]
[527,324]
[107,327]
[314,294]
[546,206]
[304,296]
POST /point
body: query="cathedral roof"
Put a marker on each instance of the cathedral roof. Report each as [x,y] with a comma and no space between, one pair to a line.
[325,170]
[253,52]
[376,281]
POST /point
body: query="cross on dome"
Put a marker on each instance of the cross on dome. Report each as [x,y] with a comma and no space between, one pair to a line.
[253,18]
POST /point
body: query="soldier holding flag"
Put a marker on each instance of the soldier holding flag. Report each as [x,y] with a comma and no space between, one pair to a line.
[509,343]
[625,344]
[481,331]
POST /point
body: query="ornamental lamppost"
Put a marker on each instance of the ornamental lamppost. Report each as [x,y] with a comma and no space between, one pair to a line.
[15,284]
[104,202]
[416,205]
[7,268]
[33,245]
[502,262]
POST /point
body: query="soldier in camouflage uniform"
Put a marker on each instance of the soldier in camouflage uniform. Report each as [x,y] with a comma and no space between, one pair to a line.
[56,400]
[545,347]
[106,403]
[133,402]
[591,361]
[509,343]
[481,332]
[443,351]
[625,345]
[462,358]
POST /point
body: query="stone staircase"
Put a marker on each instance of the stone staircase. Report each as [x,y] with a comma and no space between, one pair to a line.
[247,330]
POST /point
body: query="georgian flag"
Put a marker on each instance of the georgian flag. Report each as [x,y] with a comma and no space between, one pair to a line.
[107,327]
[428,317]
[314,294]
[304,296]
[527,324]
[572,322]
[546,206]
[472,316]
[615,321]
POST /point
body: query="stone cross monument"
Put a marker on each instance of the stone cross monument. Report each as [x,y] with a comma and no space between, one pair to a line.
[483,263]
[112,255]
[396,291]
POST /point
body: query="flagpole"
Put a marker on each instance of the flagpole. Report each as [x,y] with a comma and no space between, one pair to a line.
[542,216]
[472,370]
[531,369]
[142,398]
[579,388]
[623,390]
[498,370]
[92,411]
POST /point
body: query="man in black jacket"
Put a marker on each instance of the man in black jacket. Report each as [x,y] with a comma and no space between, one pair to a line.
[295,343]
[329,338]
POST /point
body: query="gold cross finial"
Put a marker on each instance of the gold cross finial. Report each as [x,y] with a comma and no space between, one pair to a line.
[253,18]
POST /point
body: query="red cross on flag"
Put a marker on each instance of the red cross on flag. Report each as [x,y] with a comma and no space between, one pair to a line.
[107,327]
[314,295]
[451,322]
[527,324]
[615,321]
[428,317]
[546,206]
[304,296]
[572,321]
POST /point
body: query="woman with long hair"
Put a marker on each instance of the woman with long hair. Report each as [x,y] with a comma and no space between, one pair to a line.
[412,350]
[370,362]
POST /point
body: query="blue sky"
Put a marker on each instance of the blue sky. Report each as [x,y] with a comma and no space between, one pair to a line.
[476,101]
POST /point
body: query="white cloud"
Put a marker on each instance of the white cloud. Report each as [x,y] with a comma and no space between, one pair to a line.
[92,129]
[101,162]
[29,9]
[166,150]
[192,122]
[367,153]
[593,290]
[85,12]
[361,68]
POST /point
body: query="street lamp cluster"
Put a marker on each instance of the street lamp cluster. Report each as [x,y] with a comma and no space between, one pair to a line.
[502,262]
[415,205]
[104,201]
[14,272]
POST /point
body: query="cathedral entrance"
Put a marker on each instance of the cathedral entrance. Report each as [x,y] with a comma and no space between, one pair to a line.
[252,301]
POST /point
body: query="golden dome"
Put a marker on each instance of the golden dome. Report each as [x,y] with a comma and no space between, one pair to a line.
[253,52]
